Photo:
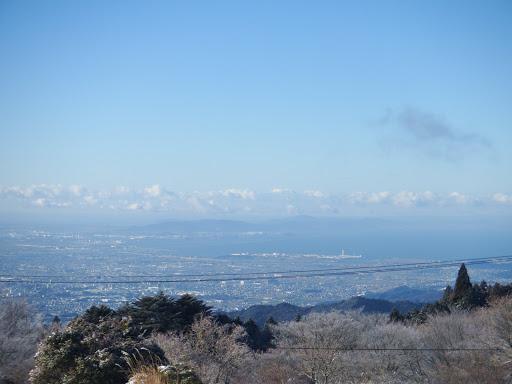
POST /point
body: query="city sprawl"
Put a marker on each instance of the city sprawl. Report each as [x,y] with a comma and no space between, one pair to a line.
[65,273]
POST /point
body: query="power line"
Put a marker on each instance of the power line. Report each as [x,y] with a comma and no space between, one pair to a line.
[419,265]
[391,349]
[269,275]
[360,268]
[262,275]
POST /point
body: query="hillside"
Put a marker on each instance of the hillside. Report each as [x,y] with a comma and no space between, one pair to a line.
[113,346]
[286,312]
[416,295]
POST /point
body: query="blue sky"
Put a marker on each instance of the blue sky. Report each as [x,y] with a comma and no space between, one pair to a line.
[232,108]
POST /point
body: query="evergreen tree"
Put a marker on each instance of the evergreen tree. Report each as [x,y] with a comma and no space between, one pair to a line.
[464,296]
[267,335]
[238,321]
[254,333]
[270,322]
[89,353]
[223,319]
[395,316]
[448,291]
[152,313]
[463,285]
[480,294]
[94,314]
[498,290]
[189,307]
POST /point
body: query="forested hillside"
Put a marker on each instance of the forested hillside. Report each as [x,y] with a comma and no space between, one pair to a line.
[286,312]
[465,337]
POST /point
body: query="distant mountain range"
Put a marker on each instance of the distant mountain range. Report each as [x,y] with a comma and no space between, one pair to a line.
[303,224]
[286,312]
[296,224]
[402,298]
[191,226]
[415,295]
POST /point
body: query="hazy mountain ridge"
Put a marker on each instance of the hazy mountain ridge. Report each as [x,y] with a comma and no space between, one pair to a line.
[191,226]
[284,312]
[415,295]
[321,225]
[296,224]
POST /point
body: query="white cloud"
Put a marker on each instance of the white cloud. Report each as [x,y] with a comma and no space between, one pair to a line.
[457,197]
[49,190]
[65,204]
[291,210]
[244,201]
[377,197]
[133,207]
[428,196]
[42,202]
[314,194]
[502,198]
[154,191]
[410,199]
[243,193]
[368,197]
[39,202]
[41,190]
[326,208]
[123,190]
[195,204]
[28,192]
[77,190]
[404,199]
[280,190]
[91,200]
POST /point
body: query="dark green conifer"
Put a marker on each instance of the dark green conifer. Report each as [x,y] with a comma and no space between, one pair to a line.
[90,353]
[395,316]
[189,307]
[253,331]
[238,321]
[152,313]
[463,285]
[95,313]
[267,335]
[270,321]
[448,291]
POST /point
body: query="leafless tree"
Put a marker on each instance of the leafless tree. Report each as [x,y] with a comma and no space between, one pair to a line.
[499,317]
[458,353]
[212,350]
[497,334]
[19,333]
[271,367]
[319,345]
[388,354]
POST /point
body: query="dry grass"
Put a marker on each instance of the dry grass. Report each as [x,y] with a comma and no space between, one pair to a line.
[145,371]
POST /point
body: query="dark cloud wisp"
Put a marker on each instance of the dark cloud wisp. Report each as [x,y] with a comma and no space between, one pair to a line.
[431,134]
